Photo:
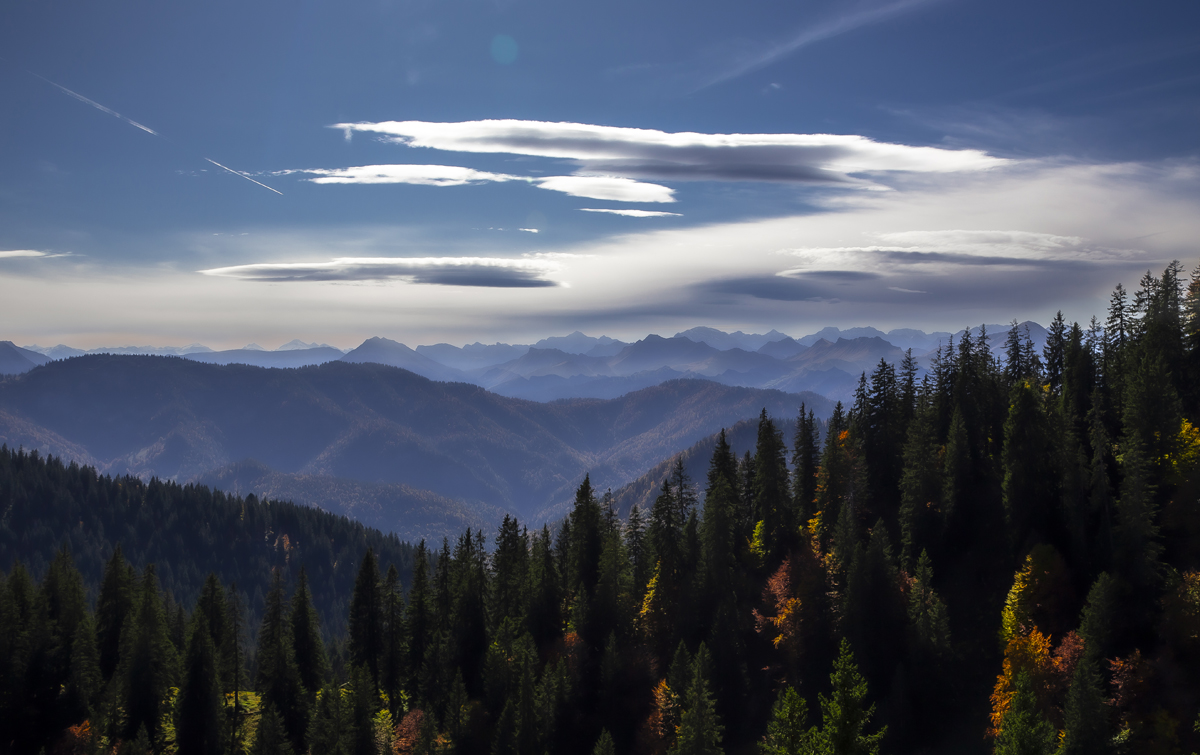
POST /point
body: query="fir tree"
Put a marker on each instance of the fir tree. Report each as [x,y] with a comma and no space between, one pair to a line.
[772,490]
[700,730]
[115,604]
[1029,487]
[420,608]
[148,661]
[1086,730]
[86,684]
[312,664]
[199,717]
[366,617]
[604,744]
[805,459]
[331,731]
[391,671]
[278,678]
[788,732]
[271,738]
[844,714]
[1024,731]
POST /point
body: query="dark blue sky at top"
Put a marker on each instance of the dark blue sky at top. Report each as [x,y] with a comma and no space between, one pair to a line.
[255,86]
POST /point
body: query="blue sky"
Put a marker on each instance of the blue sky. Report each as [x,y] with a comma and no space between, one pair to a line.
[920,163]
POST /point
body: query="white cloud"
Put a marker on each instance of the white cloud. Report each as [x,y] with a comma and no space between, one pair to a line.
[421,175]
[528,230]
[607,187]
[647,153]
[590,187]
[490,272]
[24,253]
[633,213]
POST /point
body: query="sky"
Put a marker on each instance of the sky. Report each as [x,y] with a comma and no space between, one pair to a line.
[505,170]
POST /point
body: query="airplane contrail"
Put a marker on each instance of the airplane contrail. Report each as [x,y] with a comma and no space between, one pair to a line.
[98,106]
[243,175]
[147,129]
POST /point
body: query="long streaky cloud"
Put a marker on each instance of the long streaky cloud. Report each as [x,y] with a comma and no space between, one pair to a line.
[832,28]
[489,272]
[633,213]
[243,175]
[99,107]
[613,188]
[634,153]
[23,253]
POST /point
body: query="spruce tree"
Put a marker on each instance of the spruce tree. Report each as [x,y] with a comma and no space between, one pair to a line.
[788,732]
[391,671]
[419,615]
[278,679]
[271,737]
[700,730]
[1024,731]
[86,684]
[638,550]
[312,664]
[773,502]
[805,460]
[331,731]
[920,486]
[509,564]
[148,661]
[844,714]
[366,617]
[115,604]
[199,729]
[1030,487]
[545,595]
[604,744]
[1085,725]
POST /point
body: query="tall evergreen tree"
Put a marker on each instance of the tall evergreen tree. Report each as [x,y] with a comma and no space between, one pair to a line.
[844,714]
[1053,352]
[1030,487]
[278,680]
[366,617]
[1024,731]
[700,730]
[419,615]
[331,731]
[199,729]
[309,649]
[391,665]
[115,604]
[788,732]
[271,737]
[1086,729]
[772,490]
[148,661]
[805,462]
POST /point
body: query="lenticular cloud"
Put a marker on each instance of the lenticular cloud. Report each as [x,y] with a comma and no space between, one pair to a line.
[646,153]
[489,272]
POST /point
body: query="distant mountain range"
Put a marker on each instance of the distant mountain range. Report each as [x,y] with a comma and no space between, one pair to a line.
[381,444]
[581,366]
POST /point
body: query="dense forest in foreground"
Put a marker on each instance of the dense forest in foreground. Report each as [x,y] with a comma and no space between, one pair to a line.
[1002,555]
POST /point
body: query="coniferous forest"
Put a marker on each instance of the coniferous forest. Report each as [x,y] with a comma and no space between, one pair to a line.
[1000,554]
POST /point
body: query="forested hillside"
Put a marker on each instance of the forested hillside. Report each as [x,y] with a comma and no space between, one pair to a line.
[1003,556]
[177,419]
[187,532]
